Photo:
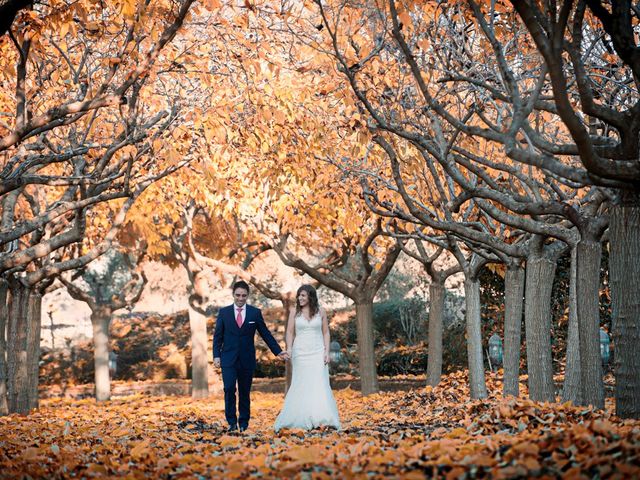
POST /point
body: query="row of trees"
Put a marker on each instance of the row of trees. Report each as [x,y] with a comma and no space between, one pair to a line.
[85,131]
[481,131]
[509,131]
[452,131]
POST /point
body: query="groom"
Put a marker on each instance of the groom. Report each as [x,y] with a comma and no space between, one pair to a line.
[234,351]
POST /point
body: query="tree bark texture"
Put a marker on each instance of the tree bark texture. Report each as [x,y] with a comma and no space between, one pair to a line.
[589,253]
[4,315]
[624,265]
[436,312]
[571,390]
[537,317]
[477,382]
[513,304]
[199,357]
[101,320]
[34,309]
[18,386]
[366,353]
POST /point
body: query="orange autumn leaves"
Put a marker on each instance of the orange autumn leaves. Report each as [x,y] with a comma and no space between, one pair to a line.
[433,432]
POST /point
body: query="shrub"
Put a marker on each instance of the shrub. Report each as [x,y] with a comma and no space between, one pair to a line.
[412,359]
[454,348]
[387,323]
[403,360]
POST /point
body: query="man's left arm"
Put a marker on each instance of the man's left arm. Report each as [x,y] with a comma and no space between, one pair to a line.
[218,338]
[266,335]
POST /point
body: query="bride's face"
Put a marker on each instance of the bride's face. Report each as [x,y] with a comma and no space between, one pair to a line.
[303,299]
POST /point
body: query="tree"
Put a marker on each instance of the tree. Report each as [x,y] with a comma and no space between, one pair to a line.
[84,143]
[597,99]
[437,291]
[472,129]
[114,281]
[238,263]
[4,314]
[185,251]
[358,273]
[255,176]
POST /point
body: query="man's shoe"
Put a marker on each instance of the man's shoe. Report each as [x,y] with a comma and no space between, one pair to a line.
[243,428]
[232,428]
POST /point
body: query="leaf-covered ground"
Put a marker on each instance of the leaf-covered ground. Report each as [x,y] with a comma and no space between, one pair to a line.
[427,432]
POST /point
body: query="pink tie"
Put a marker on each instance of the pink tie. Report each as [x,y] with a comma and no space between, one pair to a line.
[239,318]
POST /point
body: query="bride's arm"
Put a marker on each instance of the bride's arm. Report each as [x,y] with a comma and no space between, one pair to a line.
[325,334]
[291,330]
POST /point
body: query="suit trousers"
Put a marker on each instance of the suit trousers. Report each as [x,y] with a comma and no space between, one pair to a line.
[242,377]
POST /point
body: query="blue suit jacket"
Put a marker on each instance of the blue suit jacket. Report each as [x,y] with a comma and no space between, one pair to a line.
[235,345]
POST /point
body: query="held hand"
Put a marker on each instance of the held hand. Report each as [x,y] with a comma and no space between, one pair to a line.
[216,362]
[284,355]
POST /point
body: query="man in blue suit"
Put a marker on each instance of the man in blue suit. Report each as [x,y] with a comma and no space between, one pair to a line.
[235,352]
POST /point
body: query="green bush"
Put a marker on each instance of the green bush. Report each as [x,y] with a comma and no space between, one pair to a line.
[386,321]
[387,325]
[454,349]
[412,359]
[403,360]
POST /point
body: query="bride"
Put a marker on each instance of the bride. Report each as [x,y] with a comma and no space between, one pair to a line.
[309,402]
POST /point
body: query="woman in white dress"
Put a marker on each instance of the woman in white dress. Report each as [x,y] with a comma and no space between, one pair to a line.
[309,403]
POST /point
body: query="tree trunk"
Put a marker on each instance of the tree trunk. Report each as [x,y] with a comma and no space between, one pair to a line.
[571,390]
[100,320]
[34,321]
[4,315]
[589,253]
[367,357]
[287,304]
[624,230]
[17,361]
[436,311]
[477,383]
[537,318]
[513,303]
[199,357]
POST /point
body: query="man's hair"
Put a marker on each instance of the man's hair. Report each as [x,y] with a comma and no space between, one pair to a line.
[240,284]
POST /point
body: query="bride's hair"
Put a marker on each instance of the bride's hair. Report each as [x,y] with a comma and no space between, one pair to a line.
[313,299]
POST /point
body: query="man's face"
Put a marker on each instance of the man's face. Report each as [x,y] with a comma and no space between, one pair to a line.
[240,296]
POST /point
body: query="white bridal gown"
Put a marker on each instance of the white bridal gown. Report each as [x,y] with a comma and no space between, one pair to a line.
[309,402]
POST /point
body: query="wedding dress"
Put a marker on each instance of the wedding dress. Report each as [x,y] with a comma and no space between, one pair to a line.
[309,402]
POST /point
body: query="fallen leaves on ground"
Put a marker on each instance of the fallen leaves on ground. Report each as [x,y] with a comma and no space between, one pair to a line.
[434,432]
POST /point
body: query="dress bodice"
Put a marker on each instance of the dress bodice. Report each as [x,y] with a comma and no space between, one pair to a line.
[307,326]
[308,333]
